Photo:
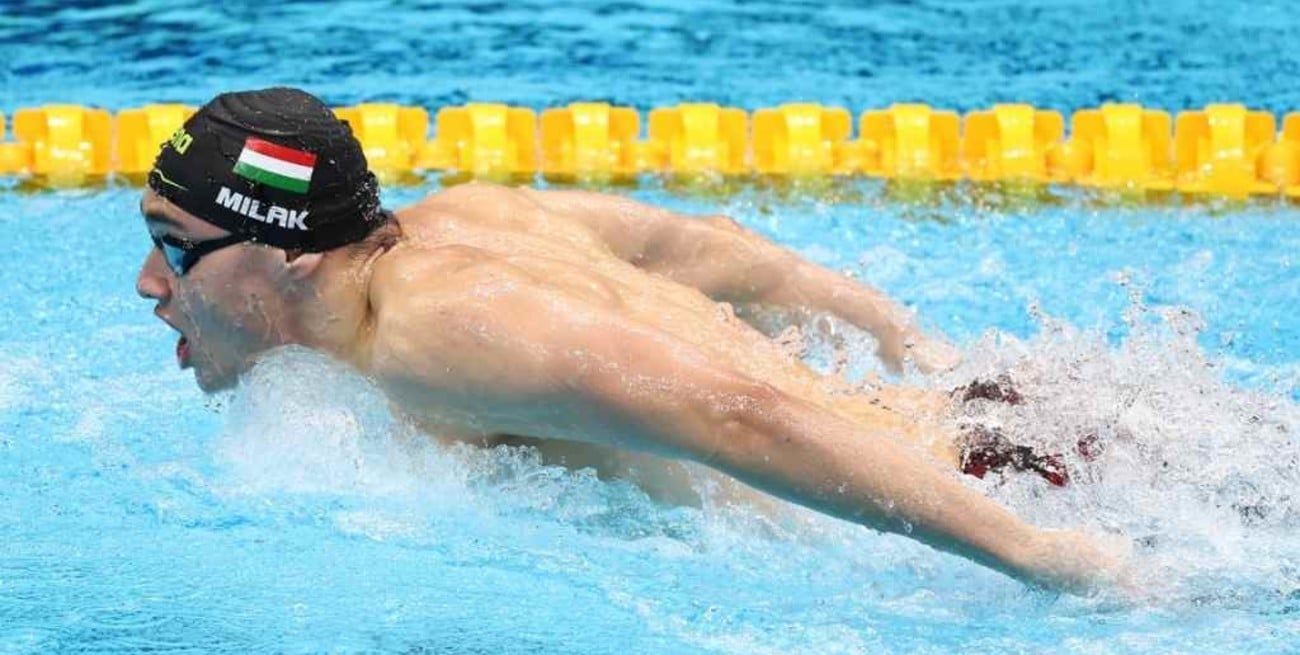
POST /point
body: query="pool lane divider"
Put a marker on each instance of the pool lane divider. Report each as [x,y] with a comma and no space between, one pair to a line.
[1222,149]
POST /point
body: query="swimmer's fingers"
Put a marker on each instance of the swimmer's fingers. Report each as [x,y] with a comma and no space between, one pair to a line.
[934,356]
[1082,562]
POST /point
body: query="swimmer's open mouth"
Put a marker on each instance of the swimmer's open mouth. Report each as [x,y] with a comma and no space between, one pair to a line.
[183,352]
[182,343]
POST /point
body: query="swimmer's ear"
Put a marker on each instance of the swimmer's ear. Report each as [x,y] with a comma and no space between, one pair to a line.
[302,264]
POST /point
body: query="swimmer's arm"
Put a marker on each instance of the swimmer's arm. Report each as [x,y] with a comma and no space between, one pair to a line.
[517,359]
[732,264]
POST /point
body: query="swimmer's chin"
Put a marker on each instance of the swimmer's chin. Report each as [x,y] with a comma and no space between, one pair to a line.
[213,380]
[210,384]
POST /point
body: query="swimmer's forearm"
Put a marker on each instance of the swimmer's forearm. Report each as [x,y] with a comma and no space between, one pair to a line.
[781,278]
[731,263]
[820,289]
[796,451]
[744,267]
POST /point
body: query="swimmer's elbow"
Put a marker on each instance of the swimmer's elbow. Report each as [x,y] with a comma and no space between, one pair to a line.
[738,423]
[752,428]
[682,409]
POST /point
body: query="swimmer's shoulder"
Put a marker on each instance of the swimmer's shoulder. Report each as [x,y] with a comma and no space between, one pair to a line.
[413,269]
[451,213]
[470,197]
[417,293]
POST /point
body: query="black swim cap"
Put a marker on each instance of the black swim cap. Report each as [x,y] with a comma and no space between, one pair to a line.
[275,165]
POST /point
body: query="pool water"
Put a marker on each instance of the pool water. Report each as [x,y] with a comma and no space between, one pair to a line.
[294,515]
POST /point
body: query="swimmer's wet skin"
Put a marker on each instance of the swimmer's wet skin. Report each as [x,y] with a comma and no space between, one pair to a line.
[557,316]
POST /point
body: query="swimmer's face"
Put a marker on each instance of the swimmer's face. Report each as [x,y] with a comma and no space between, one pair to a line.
[227,307]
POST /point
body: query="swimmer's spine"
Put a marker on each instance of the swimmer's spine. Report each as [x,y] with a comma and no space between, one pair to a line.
[1222,149]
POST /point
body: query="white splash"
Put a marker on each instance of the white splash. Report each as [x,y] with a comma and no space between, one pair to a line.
[1202,474]
[302,423]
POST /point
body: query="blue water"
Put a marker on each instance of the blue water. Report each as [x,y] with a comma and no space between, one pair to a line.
[136,514]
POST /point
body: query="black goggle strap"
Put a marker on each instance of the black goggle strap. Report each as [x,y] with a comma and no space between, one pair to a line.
[182,255]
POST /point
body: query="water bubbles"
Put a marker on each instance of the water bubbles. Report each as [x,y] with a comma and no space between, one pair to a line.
[1161,447]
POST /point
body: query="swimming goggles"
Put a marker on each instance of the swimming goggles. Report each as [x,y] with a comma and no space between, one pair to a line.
[182,255]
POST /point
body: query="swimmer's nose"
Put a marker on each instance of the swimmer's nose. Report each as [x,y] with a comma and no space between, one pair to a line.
[152,282]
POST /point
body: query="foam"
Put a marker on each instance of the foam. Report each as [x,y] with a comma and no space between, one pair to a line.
[1200,473]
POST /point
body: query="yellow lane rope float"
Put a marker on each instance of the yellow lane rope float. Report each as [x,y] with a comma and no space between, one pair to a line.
[1222,149]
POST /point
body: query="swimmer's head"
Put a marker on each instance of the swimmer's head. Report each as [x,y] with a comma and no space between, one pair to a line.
[243,204]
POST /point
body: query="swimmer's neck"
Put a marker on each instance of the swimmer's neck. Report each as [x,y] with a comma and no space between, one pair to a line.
[334,312]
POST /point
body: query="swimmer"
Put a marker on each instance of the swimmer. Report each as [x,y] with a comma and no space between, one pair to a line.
[576,321]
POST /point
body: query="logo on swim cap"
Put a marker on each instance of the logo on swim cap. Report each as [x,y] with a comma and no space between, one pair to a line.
[261,210]
[275,165]
[181,140]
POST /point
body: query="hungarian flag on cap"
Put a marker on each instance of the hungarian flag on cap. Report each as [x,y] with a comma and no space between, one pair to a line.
[275,165]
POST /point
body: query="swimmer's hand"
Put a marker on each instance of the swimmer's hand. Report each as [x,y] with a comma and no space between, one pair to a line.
[1078,562]
[934,356]
[928,355]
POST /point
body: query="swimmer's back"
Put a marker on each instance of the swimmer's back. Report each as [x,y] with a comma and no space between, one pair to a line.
[500,219]
[478,244]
